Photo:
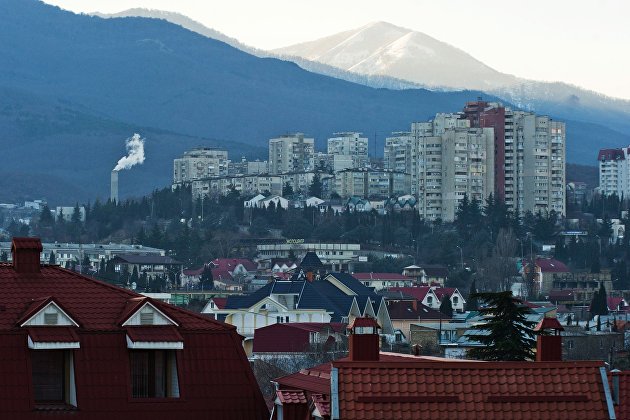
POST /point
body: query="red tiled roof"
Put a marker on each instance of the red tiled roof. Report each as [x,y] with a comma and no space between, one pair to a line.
[322,404]
[399,310]
[193,272]
[53,334]
[289,337]
[614,303]
[623,409]
[80,296]
[229,264]
[221,274]
[291,396]
[157,333]
[471,390]
[315,379]
[219,302]
[381,276]
[440,292]
[435,270]
[417,292]
[549,265]
[549,324]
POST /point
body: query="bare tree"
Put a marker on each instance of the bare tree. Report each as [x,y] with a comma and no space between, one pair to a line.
[500,268]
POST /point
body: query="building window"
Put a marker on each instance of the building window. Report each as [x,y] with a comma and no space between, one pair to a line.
[154,374]
[53,377]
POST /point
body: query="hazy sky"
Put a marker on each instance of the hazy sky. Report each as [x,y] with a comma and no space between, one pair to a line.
[586,43]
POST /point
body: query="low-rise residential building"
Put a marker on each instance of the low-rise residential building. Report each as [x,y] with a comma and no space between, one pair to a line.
[244,184]
[338,297]
[151,265]
[378,281]
[335,257]
[66,252]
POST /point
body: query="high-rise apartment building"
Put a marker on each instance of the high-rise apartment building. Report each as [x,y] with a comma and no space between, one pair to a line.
[530,156]
[614,171]
[202,162]
[371,183]
[350,144]
[291,153]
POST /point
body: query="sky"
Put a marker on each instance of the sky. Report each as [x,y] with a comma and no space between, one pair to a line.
[585,43]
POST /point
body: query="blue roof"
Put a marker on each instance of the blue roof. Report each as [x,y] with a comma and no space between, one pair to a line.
[353,284]
[286,287]
[245,301]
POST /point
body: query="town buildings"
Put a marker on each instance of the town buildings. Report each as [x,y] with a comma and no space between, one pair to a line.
[75,347]
[291,153]
[335,257]
[371,183]
[378,385]
[79,253]
[351,145]
[530,154]
[201,162]
[614,171]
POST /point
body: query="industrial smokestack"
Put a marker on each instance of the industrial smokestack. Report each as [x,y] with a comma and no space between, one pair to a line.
[114,187]
[135,156]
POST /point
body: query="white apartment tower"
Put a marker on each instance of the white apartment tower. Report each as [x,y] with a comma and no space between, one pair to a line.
[350,144]
[614,171]
[291,153]
[201,162]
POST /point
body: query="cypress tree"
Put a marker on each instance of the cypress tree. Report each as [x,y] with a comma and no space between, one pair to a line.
[52,260]
[472,304]
[508,335]
[446,307]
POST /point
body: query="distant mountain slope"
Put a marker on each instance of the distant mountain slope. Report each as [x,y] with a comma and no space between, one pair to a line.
[384,49]
[53,151]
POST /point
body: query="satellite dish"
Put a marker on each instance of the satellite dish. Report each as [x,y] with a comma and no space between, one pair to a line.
[133,285]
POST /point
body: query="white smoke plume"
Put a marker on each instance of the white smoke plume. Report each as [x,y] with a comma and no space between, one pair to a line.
[135,153]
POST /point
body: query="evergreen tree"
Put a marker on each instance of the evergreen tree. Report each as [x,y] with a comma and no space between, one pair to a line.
[287,189]
[134,275]
[599,304]
[207,280]
[76,214]
[45,217]
[446,307]
[472,304]
[510,336]
[315,189]
[52,260]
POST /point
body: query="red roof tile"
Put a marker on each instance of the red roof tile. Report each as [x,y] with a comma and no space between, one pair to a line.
[615,302]
[289,337]
[623,409]
[322,404]
[291,396]
[158,333]
[549,324]
[79,296]
[399,310]
[470,390]
[418,292]
[219,302]
[229,264]
[549,265]
[53,334]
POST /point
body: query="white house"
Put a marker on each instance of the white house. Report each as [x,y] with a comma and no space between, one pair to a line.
[253,202]
[276,200]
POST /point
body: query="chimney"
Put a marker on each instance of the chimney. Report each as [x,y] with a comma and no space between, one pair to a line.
[26,255]
[114,187]
[364,341]
[549,347]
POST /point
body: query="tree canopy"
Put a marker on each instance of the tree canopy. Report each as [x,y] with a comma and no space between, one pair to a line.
[506,335]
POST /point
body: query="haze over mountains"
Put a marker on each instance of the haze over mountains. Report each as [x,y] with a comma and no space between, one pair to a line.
[73,87]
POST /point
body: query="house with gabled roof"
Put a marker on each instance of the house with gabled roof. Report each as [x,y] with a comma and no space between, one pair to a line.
[378,281]
[72,346]
[338,297]
[369,384]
